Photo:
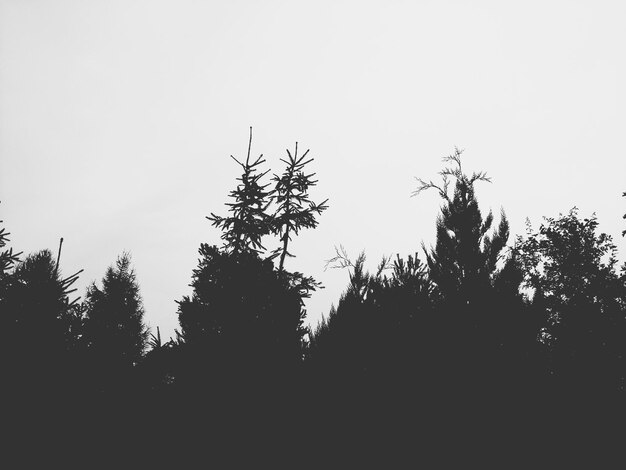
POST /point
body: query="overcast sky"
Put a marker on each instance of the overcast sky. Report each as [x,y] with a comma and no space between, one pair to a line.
[117,119]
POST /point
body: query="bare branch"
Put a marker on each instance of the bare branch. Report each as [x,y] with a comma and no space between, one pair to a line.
[424,185]
[341,260]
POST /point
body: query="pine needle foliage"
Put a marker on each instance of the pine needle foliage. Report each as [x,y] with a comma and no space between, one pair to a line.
[294,210]
[250,221]
[115,331]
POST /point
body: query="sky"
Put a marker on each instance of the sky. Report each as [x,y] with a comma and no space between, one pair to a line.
[117,119]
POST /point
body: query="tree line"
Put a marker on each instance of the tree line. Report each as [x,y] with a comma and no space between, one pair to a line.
[478,319]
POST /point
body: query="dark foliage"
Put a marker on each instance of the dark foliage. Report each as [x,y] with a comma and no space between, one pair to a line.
[572,271]
[477,280]
[114,333]
[521,340]
[243,317]
[39,325]
[624,232]
[250,221]
[376,335]
[244,322]
[295,210]
[7,257]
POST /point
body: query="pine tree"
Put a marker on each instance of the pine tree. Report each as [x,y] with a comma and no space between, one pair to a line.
[115,334]
[295,209]
[250,220]
[38,322]
[624,232]
[7,261]
[7,257]
[245,317]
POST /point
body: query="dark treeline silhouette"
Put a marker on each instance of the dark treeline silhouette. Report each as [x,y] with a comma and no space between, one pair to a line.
[478,327]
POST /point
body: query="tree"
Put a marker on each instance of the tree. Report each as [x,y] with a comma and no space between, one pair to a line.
[115,334]
[7,261]
[245,317]
[465,257]
[572,271]
[7,257]
[475,280]
[250,221]
[295,210]
[38,324]
[376,336]
[624,231]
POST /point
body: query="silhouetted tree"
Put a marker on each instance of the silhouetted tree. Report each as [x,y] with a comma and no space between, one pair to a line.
[245,318]
[161,363]
[624,231]
[375,340]
[7,261]
[250,220]
[115,334]
[37,320]
[469,266]
[7,257]
[295,210]
[465,257]
[572,271]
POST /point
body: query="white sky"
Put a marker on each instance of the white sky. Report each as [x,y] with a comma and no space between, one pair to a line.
[117,119]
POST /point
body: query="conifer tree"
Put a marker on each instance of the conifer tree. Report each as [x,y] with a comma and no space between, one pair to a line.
[250,220]
[115,334]
[465,256]
[295,209]
[246,317]
[469,265]
[7,257]
[38,321]
[7,261]
[375,338]
[624,231]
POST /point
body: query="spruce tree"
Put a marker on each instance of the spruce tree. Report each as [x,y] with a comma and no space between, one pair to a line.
[624,231]
[245,317]
[39,324]
[115,334]
[249,221]
[294,210]
[7,257]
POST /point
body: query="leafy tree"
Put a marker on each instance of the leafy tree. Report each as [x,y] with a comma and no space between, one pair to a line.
[572,271]
[115,334]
